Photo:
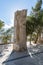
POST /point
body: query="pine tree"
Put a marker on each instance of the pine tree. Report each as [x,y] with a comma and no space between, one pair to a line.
[37,12]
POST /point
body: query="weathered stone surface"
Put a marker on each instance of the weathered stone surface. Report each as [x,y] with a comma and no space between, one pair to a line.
[20,30]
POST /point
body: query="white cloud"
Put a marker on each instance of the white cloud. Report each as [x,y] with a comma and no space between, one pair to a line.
[7,26]
[11,19]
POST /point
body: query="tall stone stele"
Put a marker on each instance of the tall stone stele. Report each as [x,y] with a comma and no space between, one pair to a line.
[20,30]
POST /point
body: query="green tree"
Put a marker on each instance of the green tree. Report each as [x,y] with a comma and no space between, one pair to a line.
[36,18]
[30,26]
[1,29]
[37,12]
[1,24]
[7,35]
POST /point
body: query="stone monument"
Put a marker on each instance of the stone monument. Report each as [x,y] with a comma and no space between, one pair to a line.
[20,30]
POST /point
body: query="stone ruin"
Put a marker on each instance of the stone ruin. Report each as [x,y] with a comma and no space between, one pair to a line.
[20,30]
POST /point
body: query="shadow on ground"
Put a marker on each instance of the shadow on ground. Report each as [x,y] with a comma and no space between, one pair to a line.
[25,58]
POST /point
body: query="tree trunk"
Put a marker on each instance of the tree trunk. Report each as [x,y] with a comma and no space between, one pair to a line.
[30,38]
[36,38]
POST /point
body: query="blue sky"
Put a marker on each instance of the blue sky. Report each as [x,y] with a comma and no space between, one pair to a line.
[8,7]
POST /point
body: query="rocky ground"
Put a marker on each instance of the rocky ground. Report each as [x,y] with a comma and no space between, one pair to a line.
[33,55]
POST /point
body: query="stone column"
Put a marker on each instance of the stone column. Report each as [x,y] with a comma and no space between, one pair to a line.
[20,30]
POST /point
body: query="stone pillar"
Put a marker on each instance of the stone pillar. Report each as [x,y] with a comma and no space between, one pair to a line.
[20,30]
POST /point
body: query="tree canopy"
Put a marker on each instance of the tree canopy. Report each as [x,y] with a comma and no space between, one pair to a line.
[34,22]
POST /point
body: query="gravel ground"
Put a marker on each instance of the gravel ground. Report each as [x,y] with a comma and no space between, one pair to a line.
[33,55]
